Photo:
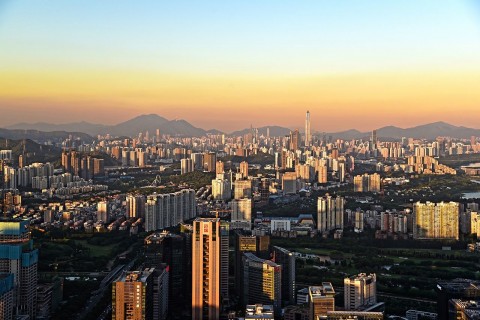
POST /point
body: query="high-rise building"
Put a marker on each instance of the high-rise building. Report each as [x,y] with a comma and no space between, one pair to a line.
[6,295]
[209,161]
[206,269]
[321,299]
[103,211]
[221,189]
[170,249]
[367,183]
[360,291]
[244,169]
[373,142]
[169,209]
[219,167]
[330,213]
[132,296]
[264,189]
[186,165]
[294,140]
[262,281]
[322,174]
[436,221]
[135,206]
[18,257]
[286,259]
[241,210]
[243,243]
[242,189]
[289,183]
[308,136]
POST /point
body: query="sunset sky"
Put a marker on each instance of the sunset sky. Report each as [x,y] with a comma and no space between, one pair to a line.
[228,64]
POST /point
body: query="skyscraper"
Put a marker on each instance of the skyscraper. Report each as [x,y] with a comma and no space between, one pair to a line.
[206,268]
[132,296]
[308,137]
[294,140]
[262,281]
[18,257]
[286,259]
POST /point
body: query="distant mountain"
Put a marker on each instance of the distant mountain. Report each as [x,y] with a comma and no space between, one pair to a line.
[132,127]
[43,136]
[34,152]
[152,122]
[275,131]
[426,131]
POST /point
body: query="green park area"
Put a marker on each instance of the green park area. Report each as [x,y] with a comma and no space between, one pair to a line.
[407,271]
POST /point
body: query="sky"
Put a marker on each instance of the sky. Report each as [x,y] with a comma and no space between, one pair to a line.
[228,64]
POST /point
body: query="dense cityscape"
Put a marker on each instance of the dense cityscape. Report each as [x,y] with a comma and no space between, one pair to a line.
[240,160]
[255,225]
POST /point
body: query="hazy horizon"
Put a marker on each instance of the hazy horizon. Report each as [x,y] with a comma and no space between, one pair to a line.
[360,65]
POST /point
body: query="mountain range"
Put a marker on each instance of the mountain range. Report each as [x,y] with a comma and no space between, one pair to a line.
[152,122]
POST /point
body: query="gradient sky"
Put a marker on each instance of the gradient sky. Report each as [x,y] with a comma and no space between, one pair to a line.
[228,64]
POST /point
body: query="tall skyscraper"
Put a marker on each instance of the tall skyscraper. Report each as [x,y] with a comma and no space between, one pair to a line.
[286,259]
[308,137]
[262,281]
[18,257]
[294,140]
[360,291]
[330,213]
[206,269]
[436,221]
[242,189]
[6,295]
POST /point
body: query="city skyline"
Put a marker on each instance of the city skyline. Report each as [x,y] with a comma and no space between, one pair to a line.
[394,64]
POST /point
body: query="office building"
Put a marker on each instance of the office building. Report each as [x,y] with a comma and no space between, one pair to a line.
[464,289]
[170,249]
[286,259]
[18,257]
[261,281]
[243,243]
[132,296]
[436,220]
[206,269]
[321,299]
[360,291]
[6,295]
[330,213]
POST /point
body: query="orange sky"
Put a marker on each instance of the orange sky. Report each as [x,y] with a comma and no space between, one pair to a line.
[361,101]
